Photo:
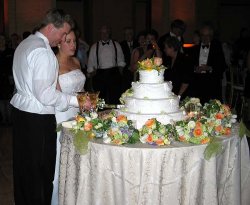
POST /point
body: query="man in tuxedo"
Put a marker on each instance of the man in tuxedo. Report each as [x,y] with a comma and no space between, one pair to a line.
[209,65]
[177,29]
[35,71]
[105,64]
[127,45]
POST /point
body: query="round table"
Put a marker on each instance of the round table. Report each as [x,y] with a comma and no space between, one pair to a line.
[147,175]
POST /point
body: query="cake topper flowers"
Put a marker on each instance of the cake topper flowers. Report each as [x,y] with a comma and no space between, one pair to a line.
[150,64]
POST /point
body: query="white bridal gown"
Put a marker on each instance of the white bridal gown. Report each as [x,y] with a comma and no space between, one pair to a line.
[70,83]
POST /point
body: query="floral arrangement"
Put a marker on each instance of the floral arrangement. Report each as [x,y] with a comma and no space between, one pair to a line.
[155,133]
[154,63]
[203,123]
[114,129]
[192,106]
[127,93]
[121,131]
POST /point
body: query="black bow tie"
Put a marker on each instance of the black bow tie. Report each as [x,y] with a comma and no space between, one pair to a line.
[105,43]
[205,46]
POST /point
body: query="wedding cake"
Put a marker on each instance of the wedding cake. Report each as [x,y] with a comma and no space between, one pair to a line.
[151,97]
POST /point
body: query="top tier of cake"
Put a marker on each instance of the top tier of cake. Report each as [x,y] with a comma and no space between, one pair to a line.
[152,76]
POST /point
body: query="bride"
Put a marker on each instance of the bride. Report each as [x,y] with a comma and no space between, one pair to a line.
[70,80]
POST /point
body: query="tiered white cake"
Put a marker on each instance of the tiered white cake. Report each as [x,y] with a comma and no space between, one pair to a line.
[151,97]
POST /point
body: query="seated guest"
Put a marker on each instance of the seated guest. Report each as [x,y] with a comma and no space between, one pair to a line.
[179,67]
[209,65]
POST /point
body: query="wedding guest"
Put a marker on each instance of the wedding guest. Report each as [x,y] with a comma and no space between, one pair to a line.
[179,68]
[14,40]
[152,46]
[241,46]
[177,29]
[105,64]
[35,70]
[139,53]
[209,62]
[147,48]
[70,80]
[82,51]
[127,45]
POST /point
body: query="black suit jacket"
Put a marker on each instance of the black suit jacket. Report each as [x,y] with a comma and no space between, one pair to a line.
[180,72]
[208,85]
[215,59]
[126,51]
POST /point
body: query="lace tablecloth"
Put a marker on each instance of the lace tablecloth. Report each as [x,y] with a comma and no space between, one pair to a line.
[146,175]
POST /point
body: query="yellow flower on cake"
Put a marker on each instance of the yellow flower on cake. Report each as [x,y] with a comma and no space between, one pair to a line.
[150,64]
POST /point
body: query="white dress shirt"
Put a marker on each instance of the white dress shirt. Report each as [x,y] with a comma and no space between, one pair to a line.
[203,55]
[35,71]
[106,56]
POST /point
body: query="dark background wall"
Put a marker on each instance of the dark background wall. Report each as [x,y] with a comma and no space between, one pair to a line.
[228,16]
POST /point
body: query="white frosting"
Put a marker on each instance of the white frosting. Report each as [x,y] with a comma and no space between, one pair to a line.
[152,106]
[152,91]
[152,98]
[152,76]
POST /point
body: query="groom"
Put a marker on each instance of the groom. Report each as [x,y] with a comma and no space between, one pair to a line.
[35,71]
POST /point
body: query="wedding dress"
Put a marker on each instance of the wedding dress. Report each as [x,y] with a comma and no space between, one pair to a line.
[70,83]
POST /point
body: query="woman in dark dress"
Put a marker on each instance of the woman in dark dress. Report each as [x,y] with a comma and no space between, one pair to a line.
[179,67]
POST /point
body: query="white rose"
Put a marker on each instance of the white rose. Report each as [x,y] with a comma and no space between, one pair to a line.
[191,124]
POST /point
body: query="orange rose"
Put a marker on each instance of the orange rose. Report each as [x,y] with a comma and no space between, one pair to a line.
[117,141]
[218,128]
[197,132]
[150,123]
[227,131]
[159,142]
[182,138]
[88,126]
[205,140]
[149,139]
[121,118]
[148,64]
[219,116]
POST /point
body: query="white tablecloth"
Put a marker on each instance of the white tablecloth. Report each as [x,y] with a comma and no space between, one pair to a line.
[146,175]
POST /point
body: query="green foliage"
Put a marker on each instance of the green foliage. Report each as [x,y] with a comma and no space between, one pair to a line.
[213,149]
[134,138]
[59,127]
[243,130]
[80,141]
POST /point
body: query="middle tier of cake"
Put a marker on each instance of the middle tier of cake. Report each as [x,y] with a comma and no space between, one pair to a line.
[152,106]
[152,91]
